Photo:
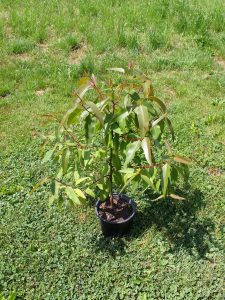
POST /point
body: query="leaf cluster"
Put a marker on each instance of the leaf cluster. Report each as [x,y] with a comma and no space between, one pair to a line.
[114,137]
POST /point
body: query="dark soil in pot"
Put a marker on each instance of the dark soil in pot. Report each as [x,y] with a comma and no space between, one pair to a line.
[117,218]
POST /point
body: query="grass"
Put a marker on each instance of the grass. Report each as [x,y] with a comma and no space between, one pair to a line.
[175,250]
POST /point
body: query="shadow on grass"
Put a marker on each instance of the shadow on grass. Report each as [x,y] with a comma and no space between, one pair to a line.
[176,220]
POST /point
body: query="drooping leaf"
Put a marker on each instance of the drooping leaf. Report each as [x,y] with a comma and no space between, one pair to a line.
[182,159]
[169,124]
[146,145]
[72,195]
[65,159]
[81,91]
[168,147]
[120,70]
[148,89]
[176,197]
[72,115]
[143,119]
[159,102]
[166,175]
[154,123]
[96,111]
[131,150]
[42,181]
[148,181]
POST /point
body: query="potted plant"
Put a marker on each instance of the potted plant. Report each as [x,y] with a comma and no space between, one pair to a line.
[114,137]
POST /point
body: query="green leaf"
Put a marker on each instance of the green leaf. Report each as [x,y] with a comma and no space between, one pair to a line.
[80,193]
[100,186]
[87,126]
[148,181]
[120,70]
[146,145]
[72,195]
[143,119]
[86,156]
[78,181]
[166,175]
[156,131]
[118,130]
[96,111]
[83,88]
[127,170]
[135,96]
[72,116]
[65,160]
[131,150]
[42,181]
[90,192]
[182,159]
[48,155]
[176,197]
[116,162]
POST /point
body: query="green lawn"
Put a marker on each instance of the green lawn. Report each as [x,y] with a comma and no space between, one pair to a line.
[176,249]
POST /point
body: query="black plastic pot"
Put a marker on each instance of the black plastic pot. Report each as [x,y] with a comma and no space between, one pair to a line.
[112,228]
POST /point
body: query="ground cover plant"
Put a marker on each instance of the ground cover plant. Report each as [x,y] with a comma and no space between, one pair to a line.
[60,254]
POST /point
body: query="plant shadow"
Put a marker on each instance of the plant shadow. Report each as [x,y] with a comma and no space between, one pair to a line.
[178,222]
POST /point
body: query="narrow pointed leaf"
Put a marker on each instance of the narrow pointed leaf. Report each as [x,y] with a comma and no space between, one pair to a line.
[146,145]
[143,119]
[96,111]
[48,155]
[176,197]
[154,123]
[42,181]
[65,160]
[131,150]
[90,192]
[120,70]
[166,175]
[148,181]
[80,193]
[148,89]
[182,159]
[168,147]
[169,124]
[158,198]
[72,195]
[159,102]
[78,181]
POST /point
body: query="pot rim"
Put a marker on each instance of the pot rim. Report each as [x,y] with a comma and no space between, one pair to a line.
[126,198]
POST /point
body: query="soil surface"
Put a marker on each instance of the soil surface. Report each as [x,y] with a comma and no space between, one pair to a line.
[118,212]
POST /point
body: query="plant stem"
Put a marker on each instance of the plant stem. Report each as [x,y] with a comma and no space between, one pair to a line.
[111,158]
